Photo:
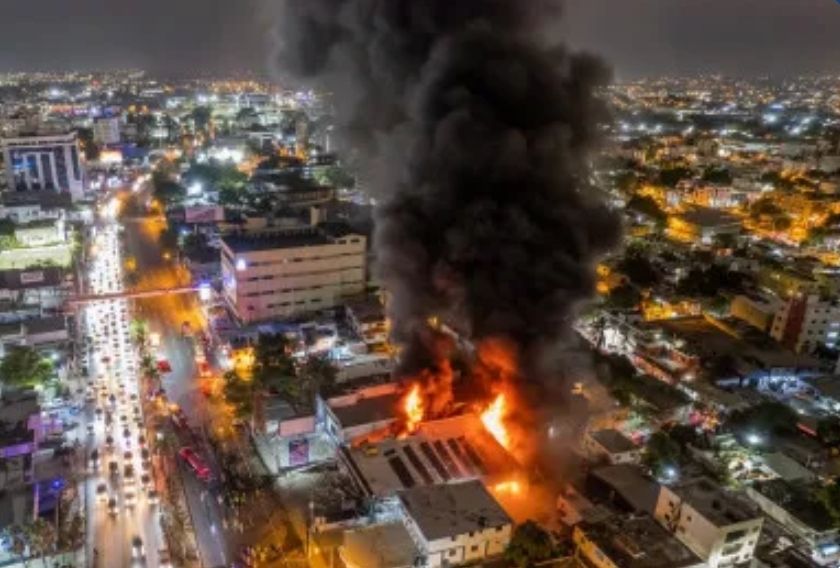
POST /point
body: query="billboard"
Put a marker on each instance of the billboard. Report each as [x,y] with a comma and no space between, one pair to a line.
[298,452]
[204,214]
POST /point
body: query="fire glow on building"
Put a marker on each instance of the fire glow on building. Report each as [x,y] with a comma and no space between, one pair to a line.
[474,129]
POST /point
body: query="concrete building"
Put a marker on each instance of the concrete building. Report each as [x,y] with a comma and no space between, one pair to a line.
[806,321]
[367,317]
[718,527]
[358,414]
[106,130]
[454,524]
[44,163]
[758,311]
[797,509]
[43,289]
[279,274]
[612,446]
[631,541]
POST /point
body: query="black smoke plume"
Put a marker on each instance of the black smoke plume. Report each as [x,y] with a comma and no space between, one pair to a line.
[475,131]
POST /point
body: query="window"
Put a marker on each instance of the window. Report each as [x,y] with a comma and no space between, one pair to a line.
[735,535]
[474,548]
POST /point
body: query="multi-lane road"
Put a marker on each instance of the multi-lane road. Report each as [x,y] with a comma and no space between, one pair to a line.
[123,527]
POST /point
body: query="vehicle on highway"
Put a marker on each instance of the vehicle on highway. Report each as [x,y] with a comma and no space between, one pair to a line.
[102,493]
[113,468]
[129,499]
[112,507]
[195,462]
[153,497]
[137,550]
[163,366]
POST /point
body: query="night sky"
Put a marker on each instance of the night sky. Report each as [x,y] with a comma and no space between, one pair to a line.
[639,37]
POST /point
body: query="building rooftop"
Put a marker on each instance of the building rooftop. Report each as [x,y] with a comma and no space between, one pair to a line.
[798,501]
[638,542]
[16,279]
[751,349]
[446,510]
[367,309]
[379,546]
[441,451]
[705,217]
[636,488]
[710,500]
[45,325]
[613,441]
[269,240]
[787,468]
[367,410]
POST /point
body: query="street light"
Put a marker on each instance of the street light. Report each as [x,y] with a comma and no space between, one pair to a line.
[754,439]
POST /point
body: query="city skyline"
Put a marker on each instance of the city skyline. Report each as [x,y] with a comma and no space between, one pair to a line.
[646,38]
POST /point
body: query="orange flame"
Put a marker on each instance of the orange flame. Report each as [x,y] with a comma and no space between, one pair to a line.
[512,487]
[493,419]
[413,408]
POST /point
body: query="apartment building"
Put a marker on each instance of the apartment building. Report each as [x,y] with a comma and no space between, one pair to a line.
[806,321]
[718,527]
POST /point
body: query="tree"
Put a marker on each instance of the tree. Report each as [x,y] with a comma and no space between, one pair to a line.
[829,495]
[828,430]
[166,190]
[42,538]
[639,269]
[624,297]
[317,375]
[647,206]
[201,117]
[670,177]
[765,419]
[87,144]
[661,452]
[717,175]
[335,176]
[25,367]
[529,545]
[239,393]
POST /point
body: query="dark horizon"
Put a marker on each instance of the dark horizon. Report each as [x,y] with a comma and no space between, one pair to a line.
[644,38]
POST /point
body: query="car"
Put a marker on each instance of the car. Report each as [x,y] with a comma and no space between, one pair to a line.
[141,441]
[129,499]
[102,492]
[145,456]
[163,366]
[195,462]
[109,442]
[127,456]
[128,474]
[137,550]
[94,459]
[112,507]
[113,468]
[153,497]
[126,434]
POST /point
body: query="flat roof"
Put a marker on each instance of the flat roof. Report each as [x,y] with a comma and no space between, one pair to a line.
[797,501]
[751,349]
[367,410]
[269,240]
[441,451]
[638,489]
[638,542]
[613,441]
[446,510]
[45,325]
[710,500]
[706,217]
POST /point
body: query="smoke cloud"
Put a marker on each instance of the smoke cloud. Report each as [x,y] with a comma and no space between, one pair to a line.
[475,130]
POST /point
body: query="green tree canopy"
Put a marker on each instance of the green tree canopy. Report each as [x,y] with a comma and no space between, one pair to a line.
[661,452]
[529,545]
[25,367]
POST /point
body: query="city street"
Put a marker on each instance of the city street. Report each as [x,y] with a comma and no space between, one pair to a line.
[122,515]
[166,316]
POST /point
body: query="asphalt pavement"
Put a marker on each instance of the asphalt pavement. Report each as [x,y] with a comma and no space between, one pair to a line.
[216,545]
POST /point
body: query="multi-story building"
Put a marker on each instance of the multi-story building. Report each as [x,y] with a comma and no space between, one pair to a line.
[718,527]
[47,162]
[106,130]
[612,446]
[454,523]
[631,541]
[798,510]
[806,321]
[278,274]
